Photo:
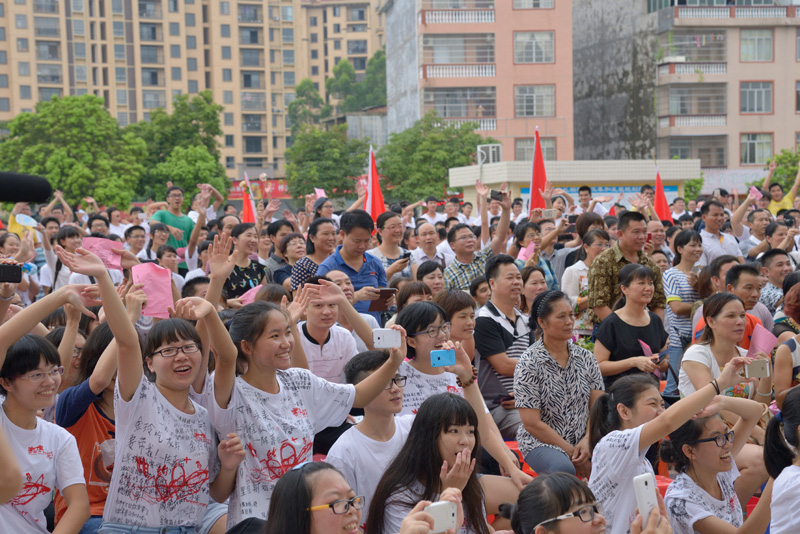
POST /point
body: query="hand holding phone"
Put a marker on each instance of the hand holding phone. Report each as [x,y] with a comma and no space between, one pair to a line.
[551,213]
[496,195]
[386,338]
[646,498]
[757,369]
[444,514]
[382,303]
[442,358]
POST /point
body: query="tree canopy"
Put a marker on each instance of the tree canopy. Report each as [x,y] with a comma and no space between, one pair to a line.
[78,146]
[325,159]
[353,95]
[188,166]
[308,107]
[416,161]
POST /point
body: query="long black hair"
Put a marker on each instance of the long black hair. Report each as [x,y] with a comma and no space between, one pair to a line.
[604,416]
[683,238]
[630,274]
[291,499]
[419,462]
[416,318]
[671,448]
[249,323]
[777,455]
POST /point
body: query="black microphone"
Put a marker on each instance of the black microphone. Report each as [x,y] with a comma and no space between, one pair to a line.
[16,187]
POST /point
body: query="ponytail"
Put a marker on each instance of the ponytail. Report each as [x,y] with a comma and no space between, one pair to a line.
[777,454]
[604,416]
[602,420]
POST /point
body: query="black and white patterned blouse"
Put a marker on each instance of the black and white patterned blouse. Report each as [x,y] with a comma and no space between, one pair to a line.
[561,395]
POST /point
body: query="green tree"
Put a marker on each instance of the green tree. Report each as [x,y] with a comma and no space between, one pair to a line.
[325,159]
[352,95]
[416,161]
[692,188]
[78,147]
[194,121]
[188,166]
[308,107]
[786,169]
[342,86]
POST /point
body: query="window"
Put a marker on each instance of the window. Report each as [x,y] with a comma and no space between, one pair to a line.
[312,21]
[151,77]
[357,28]
[337,11]
[80,73]
[21,22]
[227,97]
[153,99]
[192,86]
[526,147]
[756,97]
[120,74]
[24,68]
[190,19]
[359,63]
[4,81]
[337,28]
[119,51]
[77,5]
[314,38]
[22,46]
[797,98]
[533,4]
[5,104]
[224,8]
[287,13]
[251,80]
[191,42]
[288,77]
[249,36]
[227,75]
[122,97]
[48,50]
[122,118]
[227,119]
[250,58]
[756,45]
[230,162]
[226,52]
[191,64]
[25,92]
[2,34]
[533,47]
[78,27]
[314,54]
[150,32]
[172,6]
[116,6]
[4,59]
[174,51]
[48,73]
[80,50]
[288,57]
[2,10]
[756,149]
[151,54]
[358,13]
[337,45]
[225,30]
[314,71]
[356,47]
[798,45]
[252,144]
[287,35]
[535,100]
[228,141]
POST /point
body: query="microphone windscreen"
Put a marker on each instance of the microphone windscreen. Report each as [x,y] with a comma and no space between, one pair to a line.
[16,187]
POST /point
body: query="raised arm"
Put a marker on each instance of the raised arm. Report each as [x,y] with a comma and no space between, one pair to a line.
[328,292]
[796,185]
[191,246]
[768,179]
[66,349]
[483,211]
[501,234]
[738,216]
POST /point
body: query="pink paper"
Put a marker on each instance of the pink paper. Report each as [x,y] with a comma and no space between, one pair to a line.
[646,349]
[250,296]
[762,340]
[157,286]
[320,192]
[526,253]
[102,249]
[755,192]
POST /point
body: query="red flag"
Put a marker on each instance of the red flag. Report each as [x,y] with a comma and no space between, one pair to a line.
[661,205]
[538,176]
[374,202]
[248,208]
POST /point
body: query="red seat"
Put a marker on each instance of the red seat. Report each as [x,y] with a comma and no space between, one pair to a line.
[751,504]
[320,457]
[514,446]
[663,483]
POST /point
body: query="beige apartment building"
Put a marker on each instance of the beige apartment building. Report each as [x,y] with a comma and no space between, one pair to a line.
[504,64]
[138,54]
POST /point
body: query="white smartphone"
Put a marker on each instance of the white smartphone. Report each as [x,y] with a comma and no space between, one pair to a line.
[550,214]
[757,369]
[646,498]
[142,216]
[386,338]
[444,514]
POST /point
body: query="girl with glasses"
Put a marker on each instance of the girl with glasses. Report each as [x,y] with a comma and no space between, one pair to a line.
[703,496]
[159,234]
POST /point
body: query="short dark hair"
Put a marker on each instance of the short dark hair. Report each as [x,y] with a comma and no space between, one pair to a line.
[494,263]
[356,219]
[189,289]
[48,220]
[25,356]
[96,217]
[646,187]
[363,363]
[475,284]
[628,217]
[174,188]
[769,256]
[129,230]
[275,227]
[735,273]
[451,235]
[417,317]
[586,188]
[707,206]
[774,184]
[426,268]
[163,249]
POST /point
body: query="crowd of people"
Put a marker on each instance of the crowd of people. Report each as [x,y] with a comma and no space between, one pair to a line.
[584,349]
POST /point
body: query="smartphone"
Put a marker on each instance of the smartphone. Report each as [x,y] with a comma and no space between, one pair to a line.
[500,399]
[385,338]
[444,514]
[406,255]
[649,237]
[550,214]
[496,195]
[716,193]
[646,499]
[441,358]
[572,219]
[142,216]
[10,273]
[757,369]
[382,304]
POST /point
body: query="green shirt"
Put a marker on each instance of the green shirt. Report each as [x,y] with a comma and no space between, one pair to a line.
[184,222]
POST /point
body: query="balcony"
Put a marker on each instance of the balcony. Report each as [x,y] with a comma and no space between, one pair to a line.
[45,6]
[151,13]
[251,14]
[737,12]
[680,121]
[666,69]
[254,101]
[484,124]
[484,70]
[455,16]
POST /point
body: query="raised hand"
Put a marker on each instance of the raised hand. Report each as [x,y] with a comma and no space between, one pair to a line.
[298,306]
[361,189]
[219,262]
[289,216]
[80,296]
[458,475]
[772,166]
[177,233]
[325,293]
[638,201]
[192,308]
[272,208]
[26,249]
[128,259]
[481,189]
[82,262]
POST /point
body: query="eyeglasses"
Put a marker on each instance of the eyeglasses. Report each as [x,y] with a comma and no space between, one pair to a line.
[342,506]
[35,378]
[400,381]
[584,513]
[469,237]
[433,331]
[171,352]
[175,196]
[76,351]
[719,439]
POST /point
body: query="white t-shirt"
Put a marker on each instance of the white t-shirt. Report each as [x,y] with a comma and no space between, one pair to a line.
[165,460]
[420,386]
[328,361]
[701,354]
[363,461]
[786,502]
[373,324]
[49,459]
[276,430]
[46,277]
[211,214]
[615,461]
[438,217]
[179,281]
[75,278]
[687,503]
[118,229]
[598,209]
[396,511]
[196,273]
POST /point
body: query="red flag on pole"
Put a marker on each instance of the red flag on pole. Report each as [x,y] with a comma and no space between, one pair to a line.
[661,205]
[538,176]
[374,202]
[248,207]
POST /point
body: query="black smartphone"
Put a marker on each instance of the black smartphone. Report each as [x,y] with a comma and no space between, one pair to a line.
[10,273]
[406,255]
[496,195]
[572,219]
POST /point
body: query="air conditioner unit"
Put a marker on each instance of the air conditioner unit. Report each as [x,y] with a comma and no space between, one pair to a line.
[490,153]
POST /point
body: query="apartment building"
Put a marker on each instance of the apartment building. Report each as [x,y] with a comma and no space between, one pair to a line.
[138,54]
[504,64]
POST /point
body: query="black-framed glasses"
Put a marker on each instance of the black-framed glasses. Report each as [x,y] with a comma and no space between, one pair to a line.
[399,381]
[342,506]
[584,513]
[433,331]
[719,439]
[171,352]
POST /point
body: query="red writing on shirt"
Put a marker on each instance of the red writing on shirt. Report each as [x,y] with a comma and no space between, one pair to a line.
[39,451]
[453,389]
[279,459]
[170,483]
[299,412]
[30,490]
[199,436]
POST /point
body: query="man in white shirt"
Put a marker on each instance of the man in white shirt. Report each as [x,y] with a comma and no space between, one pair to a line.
[587,204]
[427,249]
[678,208]
[451,209]
[715,243]
[430,214]
[754,245]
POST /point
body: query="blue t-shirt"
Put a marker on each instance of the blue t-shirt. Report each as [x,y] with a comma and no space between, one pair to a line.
[371,274]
